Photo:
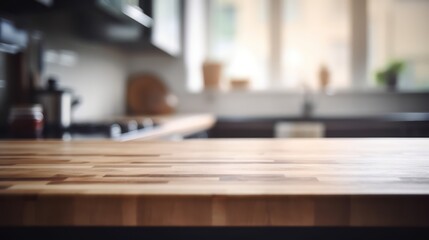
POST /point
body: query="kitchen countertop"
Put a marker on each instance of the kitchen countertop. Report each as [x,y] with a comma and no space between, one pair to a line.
[297,182]
[170,126]
[387,117]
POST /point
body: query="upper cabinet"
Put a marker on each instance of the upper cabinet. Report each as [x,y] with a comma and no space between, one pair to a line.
[130,25]
[133,24]
[165,30]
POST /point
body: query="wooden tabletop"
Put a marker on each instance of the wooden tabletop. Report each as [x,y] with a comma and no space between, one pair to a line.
[353,182]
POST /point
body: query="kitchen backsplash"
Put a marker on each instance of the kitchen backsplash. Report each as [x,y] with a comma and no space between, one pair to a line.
[96,73]
[98,77]
[260,104]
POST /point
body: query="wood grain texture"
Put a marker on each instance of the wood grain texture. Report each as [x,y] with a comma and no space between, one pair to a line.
[301,182]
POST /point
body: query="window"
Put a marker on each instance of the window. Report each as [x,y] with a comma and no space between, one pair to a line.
[239,37]
[284,44]
[398,31]
[315,34]
[285,51]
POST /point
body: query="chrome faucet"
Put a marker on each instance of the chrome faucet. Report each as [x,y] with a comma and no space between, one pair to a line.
[307,103]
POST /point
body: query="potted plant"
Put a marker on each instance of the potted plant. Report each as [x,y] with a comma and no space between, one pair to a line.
[388,76]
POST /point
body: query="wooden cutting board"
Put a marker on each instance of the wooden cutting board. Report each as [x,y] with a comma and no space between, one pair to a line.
[147,94]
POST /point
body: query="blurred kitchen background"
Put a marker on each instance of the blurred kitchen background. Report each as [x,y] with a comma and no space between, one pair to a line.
[256,68]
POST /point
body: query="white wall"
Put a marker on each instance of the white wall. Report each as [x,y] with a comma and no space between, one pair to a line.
[97,74]
[98,77]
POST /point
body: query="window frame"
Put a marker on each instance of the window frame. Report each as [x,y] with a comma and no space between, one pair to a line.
[359,46]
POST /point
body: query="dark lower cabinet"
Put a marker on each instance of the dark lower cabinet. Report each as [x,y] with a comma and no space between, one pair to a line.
[342,128]
[215,233]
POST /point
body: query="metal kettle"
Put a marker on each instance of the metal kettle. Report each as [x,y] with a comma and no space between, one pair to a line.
[57,105]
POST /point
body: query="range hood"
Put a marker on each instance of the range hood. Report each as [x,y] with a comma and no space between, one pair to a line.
[112,21]
[125,10]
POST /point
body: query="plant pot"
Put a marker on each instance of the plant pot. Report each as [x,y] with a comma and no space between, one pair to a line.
[391,82]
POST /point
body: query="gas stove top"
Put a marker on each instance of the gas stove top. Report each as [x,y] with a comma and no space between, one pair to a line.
[103,130]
